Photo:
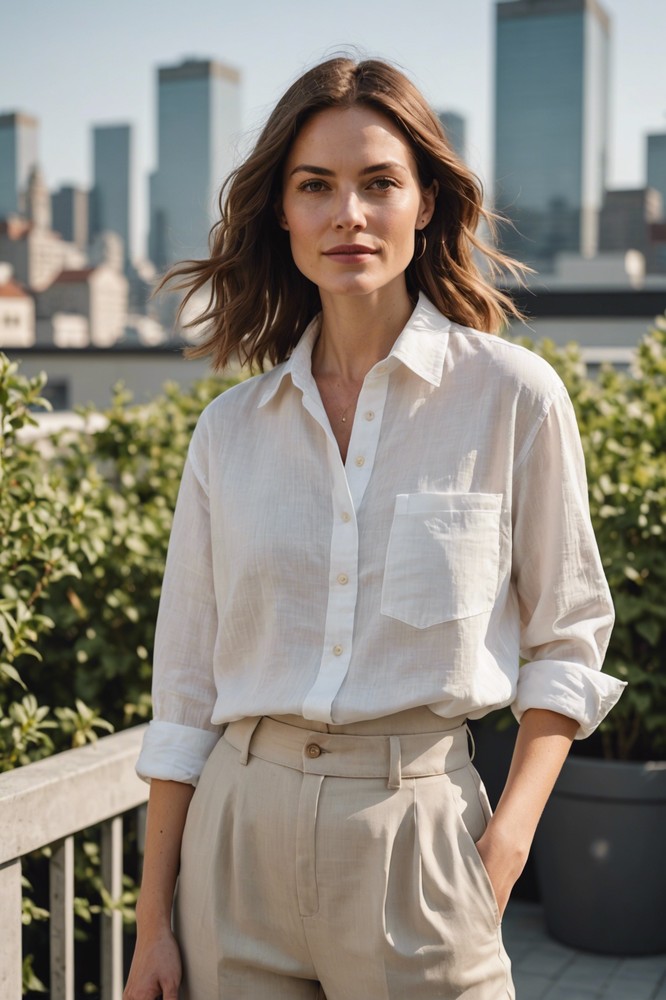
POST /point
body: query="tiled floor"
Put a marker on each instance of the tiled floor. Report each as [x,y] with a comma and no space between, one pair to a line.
[546,970]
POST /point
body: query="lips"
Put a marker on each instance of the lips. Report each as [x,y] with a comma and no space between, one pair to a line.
[349,250]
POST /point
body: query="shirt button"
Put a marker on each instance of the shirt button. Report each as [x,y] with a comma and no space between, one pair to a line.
[380,369]
[343,578]
[337,650]
[359,460]
[346,516]
[369,414]
[312,750]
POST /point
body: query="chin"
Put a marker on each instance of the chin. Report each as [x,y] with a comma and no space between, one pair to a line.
[356,285]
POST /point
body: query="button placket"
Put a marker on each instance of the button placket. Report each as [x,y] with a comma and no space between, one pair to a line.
[341,608]
[349,485]
[365,433]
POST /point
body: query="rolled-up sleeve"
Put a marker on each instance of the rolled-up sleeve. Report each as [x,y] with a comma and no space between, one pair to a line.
[181,736]
[566,612]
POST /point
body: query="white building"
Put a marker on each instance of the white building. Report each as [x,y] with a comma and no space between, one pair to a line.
[37,255]
[63,330]
[80,377]
[97,293]
[604,303]
[17,312]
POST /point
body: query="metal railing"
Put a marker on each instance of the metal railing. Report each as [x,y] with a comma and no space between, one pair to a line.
[47,803]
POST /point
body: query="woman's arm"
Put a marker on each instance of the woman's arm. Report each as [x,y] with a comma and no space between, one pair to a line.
[156,968]
[542,744]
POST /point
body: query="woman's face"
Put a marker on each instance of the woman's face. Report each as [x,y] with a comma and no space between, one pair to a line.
[352,201]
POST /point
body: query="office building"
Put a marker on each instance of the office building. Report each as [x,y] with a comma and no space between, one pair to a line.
[551,125]
[627,218]
[658,247]
[69,210]
[37,200]
[198,118]
[455,129]
[111,195]
[18,155]
[656,165]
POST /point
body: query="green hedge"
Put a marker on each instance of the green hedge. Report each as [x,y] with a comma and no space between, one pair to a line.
[622,419]
[84,527]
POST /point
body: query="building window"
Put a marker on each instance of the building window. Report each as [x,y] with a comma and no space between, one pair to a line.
[57,392]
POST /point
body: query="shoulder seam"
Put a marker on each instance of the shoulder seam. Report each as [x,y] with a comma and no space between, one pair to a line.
[546,406]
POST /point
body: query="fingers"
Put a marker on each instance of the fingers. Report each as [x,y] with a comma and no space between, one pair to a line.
[152,990]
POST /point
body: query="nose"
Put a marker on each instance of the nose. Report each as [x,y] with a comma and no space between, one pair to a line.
[348,212]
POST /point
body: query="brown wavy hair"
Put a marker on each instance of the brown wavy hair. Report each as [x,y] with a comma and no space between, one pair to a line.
[259,302]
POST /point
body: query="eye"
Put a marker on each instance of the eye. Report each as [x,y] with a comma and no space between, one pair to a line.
[313,186]
[383,183]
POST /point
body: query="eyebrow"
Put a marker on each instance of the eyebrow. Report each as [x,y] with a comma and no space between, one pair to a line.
[308,168]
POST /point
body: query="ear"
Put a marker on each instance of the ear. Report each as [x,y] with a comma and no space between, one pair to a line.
[428,200]
[281,217]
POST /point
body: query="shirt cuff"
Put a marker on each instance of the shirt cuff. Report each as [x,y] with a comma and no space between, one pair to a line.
[568,688]
[171,752]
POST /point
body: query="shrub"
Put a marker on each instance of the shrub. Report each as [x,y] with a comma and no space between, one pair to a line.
[622,419]
[83,537]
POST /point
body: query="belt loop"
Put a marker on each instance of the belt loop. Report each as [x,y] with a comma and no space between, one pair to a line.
[395,768]
[249,724]
[470,738]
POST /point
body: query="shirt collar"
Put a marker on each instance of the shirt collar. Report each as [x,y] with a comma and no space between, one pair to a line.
[421,346]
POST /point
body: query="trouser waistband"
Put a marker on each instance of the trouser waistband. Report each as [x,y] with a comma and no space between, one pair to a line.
[410,720]
[346,755]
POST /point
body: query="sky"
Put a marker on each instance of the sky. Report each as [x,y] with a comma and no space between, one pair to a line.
[82,62]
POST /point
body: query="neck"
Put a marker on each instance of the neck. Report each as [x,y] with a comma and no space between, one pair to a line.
[358,331]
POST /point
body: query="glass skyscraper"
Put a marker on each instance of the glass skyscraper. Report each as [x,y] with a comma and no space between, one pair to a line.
[18,155]
[551,125]
[69,207]
[455,129]
[656,166]
[198,112]
[111,196]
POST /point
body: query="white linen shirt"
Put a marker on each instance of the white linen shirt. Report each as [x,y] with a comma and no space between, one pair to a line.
[454,539]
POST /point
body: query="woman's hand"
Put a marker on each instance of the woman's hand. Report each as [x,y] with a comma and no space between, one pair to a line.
[156,968]
[543,741]
[503,859]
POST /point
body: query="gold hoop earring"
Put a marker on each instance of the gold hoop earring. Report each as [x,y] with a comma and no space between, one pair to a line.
[422,248]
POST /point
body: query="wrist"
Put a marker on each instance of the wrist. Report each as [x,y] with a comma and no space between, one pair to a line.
[513,841]
[152,918]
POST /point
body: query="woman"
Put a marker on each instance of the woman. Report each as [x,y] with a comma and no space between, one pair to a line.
[367,538]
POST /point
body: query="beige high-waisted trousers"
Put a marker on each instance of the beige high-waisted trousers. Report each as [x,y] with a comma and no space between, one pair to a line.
[339,861]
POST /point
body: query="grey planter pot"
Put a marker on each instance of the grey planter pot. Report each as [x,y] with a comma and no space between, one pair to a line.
[601,857]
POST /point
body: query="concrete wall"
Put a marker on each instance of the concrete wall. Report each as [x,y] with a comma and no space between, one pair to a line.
[84,376]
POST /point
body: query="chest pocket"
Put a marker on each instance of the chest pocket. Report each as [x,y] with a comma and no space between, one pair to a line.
[442,561]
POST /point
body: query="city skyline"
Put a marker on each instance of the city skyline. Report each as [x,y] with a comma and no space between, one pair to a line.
[446,47]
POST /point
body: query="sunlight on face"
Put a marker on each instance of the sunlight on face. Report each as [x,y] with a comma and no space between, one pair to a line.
[352,201]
